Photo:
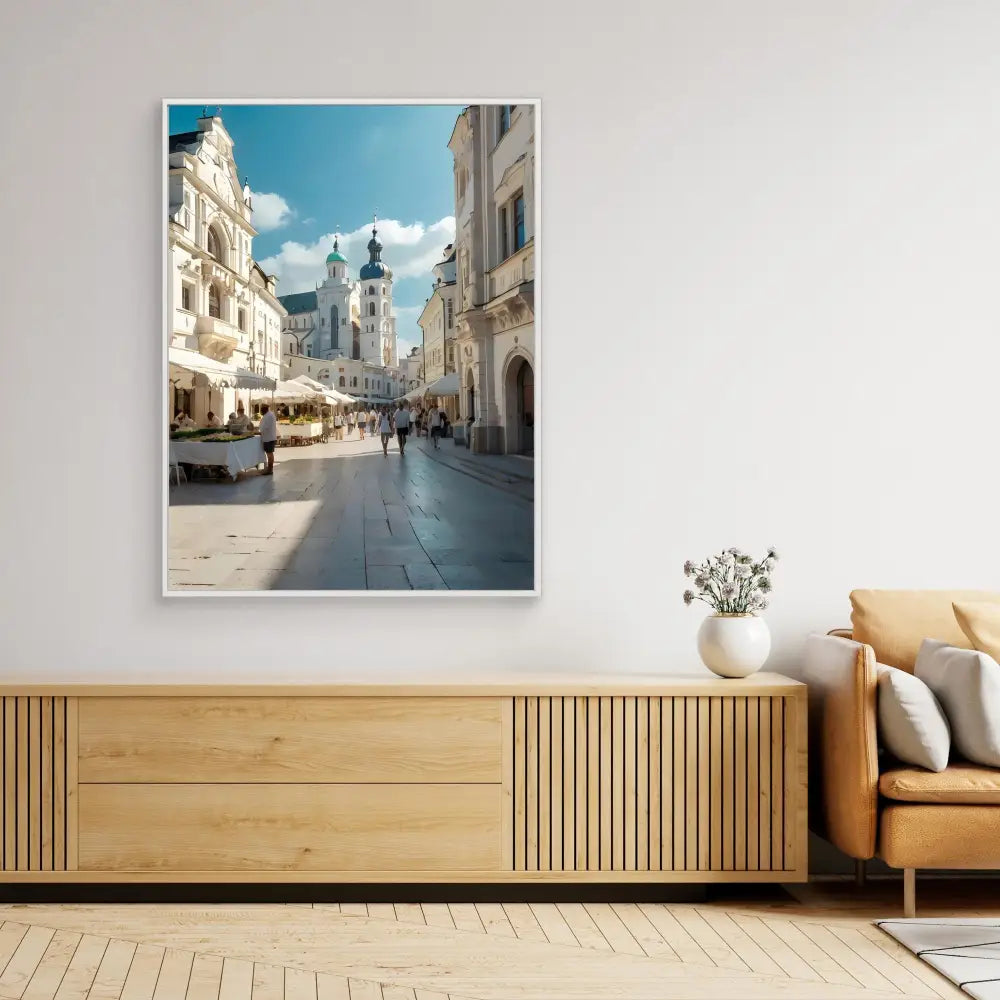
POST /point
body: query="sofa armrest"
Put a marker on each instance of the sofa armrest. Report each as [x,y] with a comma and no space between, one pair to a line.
[843,745]
[843,633]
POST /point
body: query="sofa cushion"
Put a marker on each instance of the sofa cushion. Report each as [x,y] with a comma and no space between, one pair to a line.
[980,621]
[969,784]
[912,725]
[895,622]
[967,683]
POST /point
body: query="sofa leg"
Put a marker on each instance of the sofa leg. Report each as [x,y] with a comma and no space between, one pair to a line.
[909,892]
[860,872]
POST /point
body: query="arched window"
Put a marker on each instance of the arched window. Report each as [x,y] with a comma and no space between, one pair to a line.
[366,383]
[342,381]
[334,328]
[371,308]
[214,306]
[383,289]
[214,247]
[371,289]
[385,308]
[354,382]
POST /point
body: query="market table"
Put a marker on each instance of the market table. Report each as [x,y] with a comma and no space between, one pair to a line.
[308,431]
[236,456]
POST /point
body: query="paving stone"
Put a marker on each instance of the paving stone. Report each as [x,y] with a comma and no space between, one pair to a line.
[341,516]
[388,578]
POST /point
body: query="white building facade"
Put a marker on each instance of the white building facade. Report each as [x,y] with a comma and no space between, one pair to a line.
[220,303]
[413,368]
[437,320]
[350,325]
[494,168]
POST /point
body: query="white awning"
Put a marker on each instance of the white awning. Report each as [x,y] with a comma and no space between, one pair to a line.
[447,385]
[413,393]
[218,374]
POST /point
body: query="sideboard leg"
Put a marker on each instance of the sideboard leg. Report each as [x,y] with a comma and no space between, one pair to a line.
[909,892]
[860,872]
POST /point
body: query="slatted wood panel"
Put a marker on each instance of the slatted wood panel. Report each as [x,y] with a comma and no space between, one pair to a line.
[699,784]
[39,787]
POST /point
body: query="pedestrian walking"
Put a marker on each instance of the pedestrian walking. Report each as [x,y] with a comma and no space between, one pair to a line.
[435,419]
[338,426]
[401,419]
[350,422]
[373,421]
[385,429]
[362,424]
[268,437]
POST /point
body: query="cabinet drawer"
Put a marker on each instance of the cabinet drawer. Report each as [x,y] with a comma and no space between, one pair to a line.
[294,739]
[300,827]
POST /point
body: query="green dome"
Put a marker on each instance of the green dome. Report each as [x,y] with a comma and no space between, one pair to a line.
[336,257]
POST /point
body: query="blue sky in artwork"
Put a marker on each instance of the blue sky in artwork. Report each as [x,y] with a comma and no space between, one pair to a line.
[319,169]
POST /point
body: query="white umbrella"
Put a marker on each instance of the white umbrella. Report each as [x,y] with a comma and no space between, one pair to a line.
[332,394]
[294,392]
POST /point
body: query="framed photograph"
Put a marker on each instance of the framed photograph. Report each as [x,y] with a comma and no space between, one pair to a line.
[351,366]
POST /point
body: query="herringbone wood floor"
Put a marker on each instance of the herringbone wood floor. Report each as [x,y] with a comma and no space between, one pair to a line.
[821,945]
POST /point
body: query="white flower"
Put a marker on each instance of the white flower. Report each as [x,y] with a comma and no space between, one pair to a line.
[702,580]
[689,568]
[688,597]
[772,553]
[764,584]
[727,559]
[744,570]
[729,591]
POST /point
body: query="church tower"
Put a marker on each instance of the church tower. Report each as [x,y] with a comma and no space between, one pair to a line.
[333,300]
[378,325]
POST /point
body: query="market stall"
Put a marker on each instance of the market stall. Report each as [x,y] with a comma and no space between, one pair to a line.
[236,454]
[199,384]
[305,433]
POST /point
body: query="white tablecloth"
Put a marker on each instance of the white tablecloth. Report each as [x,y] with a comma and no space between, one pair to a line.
[237,456]
[313,430]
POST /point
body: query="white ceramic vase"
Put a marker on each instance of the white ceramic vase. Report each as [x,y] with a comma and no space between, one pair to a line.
[734,645]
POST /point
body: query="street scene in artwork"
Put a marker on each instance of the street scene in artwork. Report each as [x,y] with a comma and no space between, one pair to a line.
[351,408]
[344,517]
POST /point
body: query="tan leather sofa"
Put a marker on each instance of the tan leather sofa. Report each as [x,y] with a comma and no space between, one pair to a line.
[863,802]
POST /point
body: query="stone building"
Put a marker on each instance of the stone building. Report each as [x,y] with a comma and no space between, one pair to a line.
[437,320]
[220,303]
[494,169]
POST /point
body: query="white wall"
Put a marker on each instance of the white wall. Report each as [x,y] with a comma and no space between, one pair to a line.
[807,193]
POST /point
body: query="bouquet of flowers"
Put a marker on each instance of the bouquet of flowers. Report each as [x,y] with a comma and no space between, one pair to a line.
[732,583]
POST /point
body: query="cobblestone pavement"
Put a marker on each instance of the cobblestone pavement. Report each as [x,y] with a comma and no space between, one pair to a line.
[341,516]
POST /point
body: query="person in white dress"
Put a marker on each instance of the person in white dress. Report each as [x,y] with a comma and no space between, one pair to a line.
[385,429]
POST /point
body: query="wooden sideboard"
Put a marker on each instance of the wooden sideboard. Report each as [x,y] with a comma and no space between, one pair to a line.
[563,779]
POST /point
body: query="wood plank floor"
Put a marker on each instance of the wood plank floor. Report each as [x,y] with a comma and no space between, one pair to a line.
[818,945]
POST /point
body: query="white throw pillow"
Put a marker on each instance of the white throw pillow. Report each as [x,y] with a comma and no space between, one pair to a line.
[912,725]
[967,683]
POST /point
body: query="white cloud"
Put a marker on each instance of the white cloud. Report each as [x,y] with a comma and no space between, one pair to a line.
[270,211]
[411,251]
